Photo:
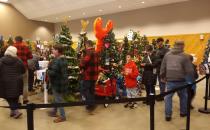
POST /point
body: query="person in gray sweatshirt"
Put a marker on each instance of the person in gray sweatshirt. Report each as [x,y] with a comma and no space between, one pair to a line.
[176,70]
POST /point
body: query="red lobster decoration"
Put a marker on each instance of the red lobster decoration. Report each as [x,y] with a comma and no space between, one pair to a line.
[101,32]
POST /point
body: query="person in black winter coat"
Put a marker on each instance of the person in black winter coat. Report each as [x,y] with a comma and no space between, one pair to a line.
[11,80]
[149,64]
[160,53]
[195,77]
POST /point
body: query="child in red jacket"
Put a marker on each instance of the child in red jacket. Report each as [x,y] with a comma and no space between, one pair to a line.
[130,72]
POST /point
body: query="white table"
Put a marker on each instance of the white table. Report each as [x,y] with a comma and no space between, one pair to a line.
[41,75]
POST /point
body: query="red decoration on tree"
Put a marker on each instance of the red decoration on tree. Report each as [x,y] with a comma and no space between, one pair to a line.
[107,45]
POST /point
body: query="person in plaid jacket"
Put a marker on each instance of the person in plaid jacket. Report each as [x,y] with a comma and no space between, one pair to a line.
[24,54]
[89,68]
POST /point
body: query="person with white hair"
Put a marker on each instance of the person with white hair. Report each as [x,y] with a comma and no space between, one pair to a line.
[11,79]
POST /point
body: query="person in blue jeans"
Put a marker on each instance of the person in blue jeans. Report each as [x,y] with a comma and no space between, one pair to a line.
[58,79]
[176,70]
[161,51]
[182,98]
[195,77]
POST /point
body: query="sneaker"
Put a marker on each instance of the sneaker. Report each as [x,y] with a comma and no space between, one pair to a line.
[12,113]
[106,105]
[168,118]
[17,114]
[59,119]
[134,105]
[127,105]
[117,98]
[90,109]
[90,112]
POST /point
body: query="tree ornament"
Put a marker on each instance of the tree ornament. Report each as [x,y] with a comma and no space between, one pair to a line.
[107,45]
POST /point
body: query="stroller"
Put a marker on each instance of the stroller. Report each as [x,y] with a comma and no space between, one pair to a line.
[105,88]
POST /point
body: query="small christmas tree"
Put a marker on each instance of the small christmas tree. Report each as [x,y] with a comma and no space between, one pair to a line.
[10,41]
[29,43]
[82,37]
[81,43]
[125,50]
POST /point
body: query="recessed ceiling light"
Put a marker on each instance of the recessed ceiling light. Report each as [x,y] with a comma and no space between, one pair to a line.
[119,6]
[83,13]
[100,10]
[142,2]
[5,1]
[69,16]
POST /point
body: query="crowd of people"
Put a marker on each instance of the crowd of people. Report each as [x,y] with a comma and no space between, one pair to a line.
[170,67]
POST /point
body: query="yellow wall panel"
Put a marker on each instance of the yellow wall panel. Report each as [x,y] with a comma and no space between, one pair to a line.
[193,44]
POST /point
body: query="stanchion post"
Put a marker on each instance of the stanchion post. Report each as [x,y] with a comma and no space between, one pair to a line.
[30,116]
[205,109]
[188,106]
[152,111]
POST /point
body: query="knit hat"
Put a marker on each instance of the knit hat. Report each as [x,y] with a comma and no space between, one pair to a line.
[11,51]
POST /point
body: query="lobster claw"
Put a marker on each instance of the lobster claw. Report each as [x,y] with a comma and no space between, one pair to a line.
[101,32]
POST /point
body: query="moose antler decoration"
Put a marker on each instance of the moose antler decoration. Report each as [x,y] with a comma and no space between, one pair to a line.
[101,32]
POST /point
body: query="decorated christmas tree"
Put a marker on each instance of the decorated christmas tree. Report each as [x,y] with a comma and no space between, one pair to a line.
[206,53]
[65,39]
[135,44]
[125,50]
[110,56]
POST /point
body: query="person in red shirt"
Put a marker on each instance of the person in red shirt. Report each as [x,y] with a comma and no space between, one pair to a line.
[130,72]
[24,54]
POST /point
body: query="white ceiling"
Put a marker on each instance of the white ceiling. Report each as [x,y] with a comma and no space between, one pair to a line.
[57,10]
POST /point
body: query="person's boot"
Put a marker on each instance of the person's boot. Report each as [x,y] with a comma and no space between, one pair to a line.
[128,105]
[134,105]
[12,113]
[168,118]
[59,119]
[17,114]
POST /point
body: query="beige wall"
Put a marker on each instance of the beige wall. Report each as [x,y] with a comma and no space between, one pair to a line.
[181,18]
[12,22]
